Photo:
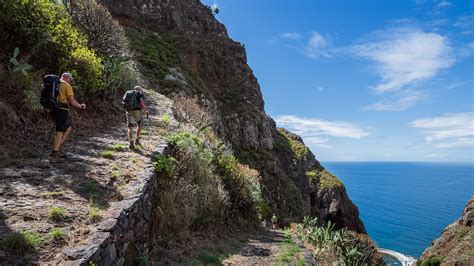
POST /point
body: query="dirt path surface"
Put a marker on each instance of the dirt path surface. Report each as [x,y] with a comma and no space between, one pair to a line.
[45,208]
[272,247]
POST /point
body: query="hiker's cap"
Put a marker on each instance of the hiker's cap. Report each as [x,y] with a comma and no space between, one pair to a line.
[67,75]
[138,88]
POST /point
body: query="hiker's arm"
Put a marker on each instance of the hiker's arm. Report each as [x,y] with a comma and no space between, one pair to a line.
[142,105]
[76,104]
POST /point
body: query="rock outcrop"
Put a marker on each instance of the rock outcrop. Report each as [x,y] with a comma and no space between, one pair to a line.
[183,49]
[455,246]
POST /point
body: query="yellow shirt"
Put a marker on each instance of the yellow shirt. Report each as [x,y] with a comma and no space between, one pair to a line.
[65,90]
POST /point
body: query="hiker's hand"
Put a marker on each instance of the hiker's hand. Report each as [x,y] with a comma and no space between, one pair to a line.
[83,106]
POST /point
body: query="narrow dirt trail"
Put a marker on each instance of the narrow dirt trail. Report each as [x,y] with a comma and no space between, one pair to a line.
[272,247]
[81,188]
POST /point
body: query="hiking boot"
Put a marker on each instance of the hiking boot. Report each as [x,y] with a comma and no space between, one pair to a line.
[54,157]
[131,146]
[137,142]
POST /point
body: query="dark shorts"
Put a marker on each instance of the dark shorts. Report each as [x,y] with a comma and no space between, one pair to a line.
[61,117]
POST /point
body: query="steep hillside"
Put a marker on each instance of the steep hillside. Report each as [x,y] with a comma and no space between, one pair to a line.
[456,243]
[183,49]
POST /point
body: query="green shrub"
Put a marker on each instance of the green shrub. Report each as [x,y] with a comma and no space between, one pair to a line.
[193,144]
[21,242]
[337,246]
[119,73]
[297,147]
[328,180]
[57,213]
[322,178]
[105,35]
[46,30]
[57,234]
[433,261]
[165,119]
[243,185]
[164,164]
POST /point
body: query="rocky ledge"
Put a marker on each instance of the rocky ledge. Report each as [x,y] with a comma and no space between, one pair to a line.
[455,246]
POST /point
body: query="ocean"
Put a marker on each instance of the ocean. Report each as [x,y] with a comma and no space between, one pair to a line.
[404,205]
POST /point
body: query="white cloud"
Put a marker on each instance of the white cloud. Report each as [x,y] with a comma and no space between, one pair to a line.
[405,56]
[316,46]
[443,4]
[315,132]
[451,130]
[312,127]
[291,36]
[399,102]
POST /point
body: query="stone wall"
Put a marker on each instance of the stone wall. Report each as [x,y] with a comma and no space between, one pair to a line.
[127,231]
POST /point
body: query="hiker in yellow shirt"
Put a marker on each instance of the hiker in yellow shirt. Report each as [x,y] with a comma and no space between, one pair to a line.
[61,114]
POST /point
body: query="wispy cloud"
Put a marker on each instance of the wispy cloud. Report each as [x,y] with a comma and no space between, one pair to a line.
[291,36]
[451,130]
[399,102]
[405,56]
[443,4]
[314,47]
[315,131]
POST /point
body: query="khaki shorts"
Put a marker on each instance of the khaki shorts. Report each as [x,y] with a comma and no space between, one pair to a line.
[134,117]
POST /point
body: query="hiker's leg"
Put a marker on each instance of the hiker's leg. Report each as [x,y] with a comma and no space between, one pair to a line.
[58,136]
[130,133]
[60,119]
[68,131]
[139,128]
[137,116]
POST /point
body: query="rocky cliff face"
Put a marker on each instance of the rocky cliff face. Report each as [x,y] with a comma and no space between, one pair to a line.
[183,49]
[456,243]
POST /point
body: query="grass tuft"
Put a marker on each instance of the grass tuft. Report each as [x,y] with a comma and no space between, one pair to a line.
[116,147]
[57,213]
[94,214]
[57,234]
[108,154]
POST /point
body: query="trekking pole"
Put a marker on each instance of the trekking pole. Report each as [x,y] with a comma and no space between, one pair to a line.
[77,131]
[47,142]
[149,131]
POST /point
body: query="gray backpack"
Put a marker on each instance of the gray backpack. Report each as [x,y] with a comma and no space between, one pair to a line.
[130,100]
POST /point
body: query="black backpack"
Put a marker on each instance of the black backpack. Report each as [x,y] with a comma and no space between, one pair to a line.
[130,100]
[50,92]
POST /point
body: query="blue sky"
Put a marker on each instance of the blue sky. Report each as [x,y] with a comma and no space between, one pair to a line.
[364,80]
